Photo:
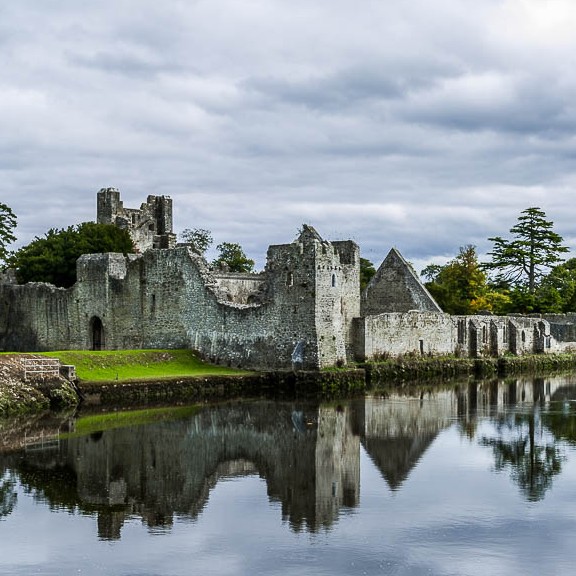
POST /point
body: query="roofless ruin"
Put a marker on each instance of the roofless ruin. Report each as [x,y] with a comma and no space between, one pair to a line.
[304,310]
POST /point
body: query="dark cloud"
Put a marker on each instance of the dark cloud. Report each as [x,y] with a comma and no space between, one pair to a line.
[422,126]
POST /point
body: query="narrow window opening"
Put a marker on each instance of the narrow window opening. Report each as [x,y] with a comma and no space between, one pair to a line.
[461,331]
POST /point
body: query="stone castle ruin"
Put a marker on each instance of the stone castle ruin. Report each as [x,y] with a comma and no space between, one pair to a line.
[304,311]
[149,227]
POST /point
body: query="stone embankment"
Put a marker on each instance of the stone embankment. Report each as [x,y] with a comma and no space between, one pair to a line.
[301,384]
[412,369]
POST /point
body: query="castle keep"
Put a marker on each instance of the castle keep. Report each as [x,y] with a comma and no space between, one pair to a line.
[149,227]
[304,310]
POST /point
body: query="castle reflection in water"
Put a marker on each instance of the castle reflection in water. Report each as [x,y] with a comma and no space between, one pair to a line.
[308,454]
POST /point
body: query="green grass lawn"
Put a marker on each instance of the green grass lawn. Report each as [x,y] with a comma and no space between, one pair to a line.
[125,365]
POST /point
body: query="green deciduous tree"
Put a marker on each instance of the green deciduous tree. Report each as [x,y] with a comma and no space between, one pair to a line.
[198,238]
[7,225]
[557,291]
[533,248]
[367,271]
[231,256]
[52,258]
[460,286]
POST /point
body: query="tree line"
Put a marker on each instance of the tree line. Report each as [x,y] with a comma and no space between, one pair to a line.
[526,272]
[52,257]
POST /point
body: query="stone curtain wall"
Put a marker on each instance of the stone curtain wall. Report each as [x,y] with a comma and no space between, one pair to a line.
[170,299]
[35,317]
[410,333]
[563,331]
[420,333]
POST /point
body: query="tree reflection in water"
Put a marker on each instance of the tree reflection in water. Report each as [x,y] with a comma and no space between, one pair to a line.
[8,496]
[530,452]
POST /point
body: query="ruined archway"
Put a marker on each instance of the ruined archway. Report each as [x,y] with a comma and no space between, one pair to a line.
[96,333]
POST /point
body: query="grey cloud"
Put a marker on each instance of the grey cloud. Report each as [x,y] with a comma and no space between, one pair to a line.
[332,92]
[127,65]
[353,86]
[534,106]
[395,125]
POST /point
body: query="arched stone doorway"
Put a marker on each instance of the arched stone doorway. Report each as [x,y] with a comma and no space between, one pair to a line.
[96,333]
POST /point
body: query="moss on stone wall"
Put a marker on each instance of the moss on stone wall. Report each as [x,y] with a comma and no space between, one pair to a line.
[416,368]
[400,369]
[27,397]
[303,384]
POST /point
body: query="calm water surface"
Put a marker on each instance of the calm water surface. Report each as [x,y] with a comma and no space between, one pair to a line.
[478,479]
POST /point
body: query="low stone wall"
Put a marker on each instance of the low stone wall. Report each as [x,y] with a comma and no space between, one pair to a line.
[396,334]
[483,335]
[420,370]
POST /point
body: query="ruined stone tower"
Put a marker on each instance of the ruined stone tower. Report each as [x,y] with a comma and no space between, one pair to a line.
[149,227]
[317,282]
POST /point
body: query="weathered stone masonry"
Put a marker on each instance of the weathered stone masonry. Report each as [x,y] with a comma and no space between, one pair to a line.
[303,311]
[150,226]
[300,314]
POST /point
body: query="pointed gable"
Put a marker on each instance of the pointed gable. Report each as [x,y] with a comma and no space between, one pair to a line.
[396,288]
[309,233]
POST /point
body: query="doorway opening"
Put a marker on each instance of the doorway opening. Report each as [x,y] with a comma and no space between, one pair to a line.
[97,333]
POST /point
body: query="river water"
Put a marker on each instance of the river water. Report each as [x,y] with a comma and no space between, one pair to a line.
[471,479]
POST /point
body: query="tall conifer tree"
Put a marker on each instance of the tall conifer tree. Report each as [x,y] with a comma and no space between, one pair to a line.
[534,248]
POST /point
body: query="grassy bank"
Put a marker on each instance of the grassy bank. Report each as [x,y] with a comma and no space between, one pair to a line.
[141,365]
[100,369]
[139,377]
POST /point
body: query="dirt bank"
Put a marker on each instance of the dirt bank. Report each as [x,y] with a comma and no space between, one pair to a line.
[34,394]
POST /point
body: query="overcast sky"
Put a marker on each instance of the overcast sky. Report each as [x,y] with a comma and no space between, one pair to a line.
[416,124]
